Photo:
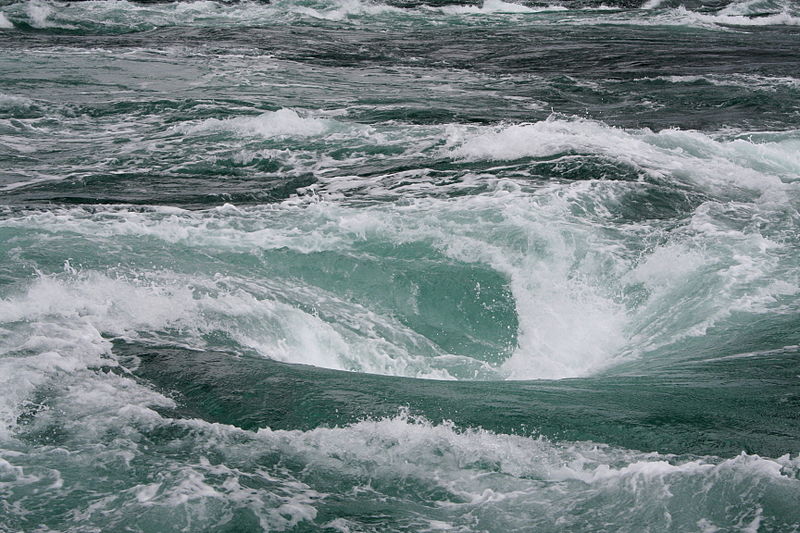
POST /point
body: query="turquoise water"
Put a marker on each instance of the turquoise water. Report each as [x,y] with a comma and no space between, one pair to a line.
[339,265]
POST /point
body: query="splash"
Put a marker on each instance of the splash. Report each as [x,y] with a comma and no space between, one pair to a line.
[284,122]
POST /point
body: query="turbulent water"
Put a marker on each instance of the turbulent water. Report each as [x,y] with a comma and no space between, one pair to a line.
[343,265]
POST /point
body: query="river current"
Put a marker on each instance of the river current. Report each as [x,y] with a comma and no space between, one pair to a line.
[364,266]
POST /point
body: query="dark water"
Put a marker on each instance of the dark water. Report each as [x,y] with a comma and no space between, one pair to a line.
[408,266]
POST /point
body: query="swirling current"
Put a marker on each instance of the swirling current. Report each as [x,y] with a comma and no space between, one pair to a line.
[400,265]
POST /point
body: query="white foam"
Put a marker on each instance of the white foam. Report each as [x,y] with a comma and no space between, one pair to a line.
[496,7]
[281,123]
[10,100]
[449,477]
[735,15]
[783,18]
[26,183]
[682,155]
[730,16]
[708,273]
[55,331]
[344,9]
[759,7]
[57,335]
[557,245]
[5,24]
[747,81]
[128,15]
[568,324]
[526,482]
[431,450]
[121,14]
[173,309]
[38,12]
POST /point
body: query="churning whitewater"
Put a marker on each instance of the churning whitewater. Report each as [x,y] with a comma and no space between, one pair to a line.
[344,265]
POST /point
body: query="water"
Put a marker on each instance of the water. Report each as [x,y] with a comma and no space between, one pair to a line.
[339,265]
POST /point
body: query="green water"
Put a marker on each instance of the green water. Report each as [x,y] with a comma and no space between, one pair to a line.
[358,266]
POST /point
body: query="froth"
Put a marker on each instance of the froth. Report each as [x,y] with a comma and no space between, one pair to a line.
[692,156]
[38,13]
[5,24]
[497,6]
[558,247]
[568,325]
[477,479]
[282,321]
[747,81]
[473,475]
[344,9]
[284,122]
[735,14]
[118,15]
[521,481]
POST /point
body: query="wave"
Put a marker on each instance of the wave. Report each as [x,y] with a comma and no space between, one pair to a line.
[432,476]
[276,319]
[122,16]
[346,157]
[720,166]
[566,326]
[116,16]
[683,16]
[284,122]
[555,278]
[490,7]
[746,81]
[582,290]
[340,11]
[5,24]
[549,265]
